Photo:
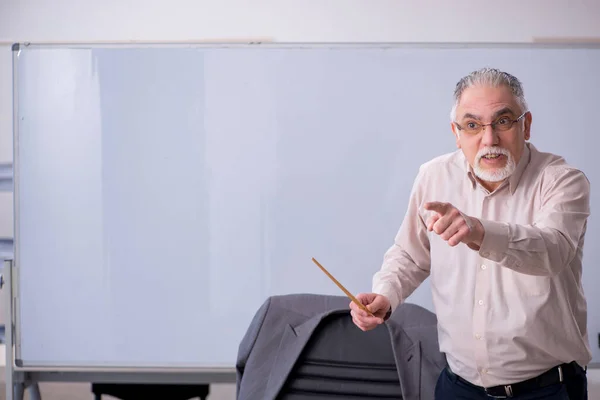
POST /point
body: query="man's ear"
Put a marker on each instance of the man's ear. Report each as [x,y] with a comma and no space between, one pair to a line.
[527,126]
[456,133]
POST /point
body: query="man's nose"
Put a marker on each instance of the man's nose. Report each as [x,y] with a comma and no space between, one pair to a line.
[490,138]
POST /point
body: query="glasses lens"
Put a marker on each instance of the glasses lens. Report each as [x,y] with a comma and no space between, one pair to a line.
[503,124]
[472,127]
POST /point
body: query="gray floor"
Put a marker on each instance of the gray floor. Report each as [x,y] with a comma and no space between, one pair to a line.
[81,391]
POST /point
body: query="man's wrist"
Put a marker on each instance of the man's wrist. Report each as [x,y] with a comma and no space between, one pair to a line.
[478,233]
[495,239]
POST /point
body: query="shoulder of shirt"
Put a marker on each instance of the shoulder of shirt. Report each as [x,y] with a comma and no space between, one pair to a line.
[554,167]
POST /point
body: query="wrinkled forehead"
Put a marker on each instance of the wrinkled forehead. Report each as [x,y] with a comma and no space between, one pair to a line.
[487,102]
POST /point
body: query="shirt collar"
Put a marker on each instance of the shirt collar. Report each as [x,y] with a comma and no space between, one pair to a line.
[513,180]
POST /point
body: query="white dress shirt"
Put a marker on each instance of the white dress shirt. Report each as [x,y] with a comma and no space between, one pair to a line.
[516,307]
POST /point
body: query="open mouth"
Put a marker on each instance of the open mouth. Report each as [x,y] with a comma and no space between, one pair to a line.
[492,156]
[493,160]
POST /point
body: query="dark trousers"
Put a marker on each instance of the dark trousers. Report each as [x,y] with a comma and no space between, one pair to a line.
[449,387]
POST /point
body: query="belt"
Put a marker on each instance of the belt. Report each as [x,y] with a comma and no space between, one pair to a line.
[553,376]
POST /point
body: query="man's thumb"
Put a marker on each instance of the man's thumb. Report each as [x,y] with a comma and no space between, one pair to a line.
[375,305]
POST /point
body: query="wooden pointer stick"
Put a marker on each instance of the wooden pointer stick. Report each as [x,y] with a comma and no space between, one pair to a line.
[354,299]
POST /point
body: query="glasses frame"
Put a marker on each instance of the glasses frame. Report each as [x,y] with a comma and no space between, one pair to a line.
[492,124]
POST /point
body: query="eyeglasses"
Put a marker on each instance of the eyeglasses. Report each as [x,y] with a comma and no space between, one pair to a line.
[501,124]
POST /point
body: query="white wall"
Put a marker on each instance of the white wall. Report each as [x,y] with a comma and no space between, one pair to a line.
[279,21]
[6,228]
[308,20]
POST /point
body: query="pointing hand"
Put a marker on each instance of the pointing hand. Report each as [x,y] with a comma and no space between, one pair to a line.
[453,226]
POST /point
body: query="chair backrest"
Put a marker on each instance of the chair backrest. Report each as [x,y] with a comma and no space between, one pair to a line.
[342,361]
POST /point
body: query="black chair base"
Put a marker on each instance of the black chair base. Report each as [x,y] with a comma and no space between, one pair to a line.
[127,391]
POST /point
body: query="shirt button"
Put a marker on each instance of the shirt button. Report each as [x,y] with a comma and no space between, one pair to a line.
[478,336]
[480,302]
[483,267]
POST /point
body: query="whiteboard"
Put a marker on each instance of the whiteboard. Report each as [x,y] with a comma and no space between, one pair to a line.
[164,192]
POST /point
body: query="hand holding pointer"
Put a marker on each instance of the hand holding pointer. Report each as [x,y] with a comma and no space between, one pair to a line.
[453,226]
[377,304]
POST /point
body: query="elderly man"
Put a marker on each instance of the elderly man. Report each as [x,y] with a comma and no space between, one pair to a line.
[499,226]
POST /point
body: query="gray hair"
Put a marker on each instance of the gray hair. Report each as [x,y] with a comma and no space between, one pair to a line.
[489,77]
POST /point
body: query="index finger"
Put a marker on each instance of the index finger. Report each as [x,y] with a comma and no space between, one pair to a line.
[436,206]
[365,318]
[359,307]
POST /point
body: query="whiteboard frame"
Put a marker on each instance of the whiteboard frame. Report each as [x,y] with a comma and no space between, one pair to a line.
[16,373]
[16,187]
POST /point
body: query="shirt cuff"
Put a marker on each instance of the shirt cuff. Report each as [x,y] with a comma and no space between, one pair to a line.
[495,239]
[387,290]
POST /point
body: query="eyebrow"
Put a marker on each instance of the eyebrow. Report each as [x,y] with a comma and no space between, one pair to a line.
[505,110]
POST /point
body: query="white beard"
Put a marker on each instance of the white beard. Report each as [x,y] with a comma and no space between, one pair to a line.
[496,174]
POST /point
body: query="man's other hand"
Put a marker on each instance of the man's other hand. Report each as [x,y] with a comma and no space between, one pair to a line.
[378,305]
[453,226]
